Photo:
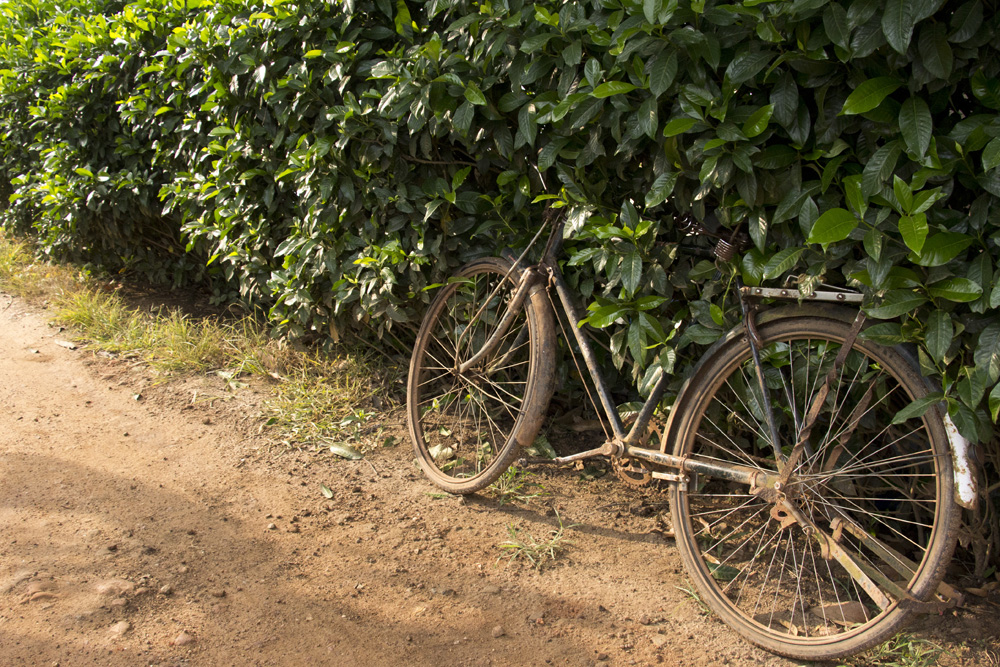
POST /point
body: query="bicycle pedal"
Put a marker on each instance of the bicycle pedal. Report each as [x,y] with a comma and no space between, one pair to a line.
[534,460]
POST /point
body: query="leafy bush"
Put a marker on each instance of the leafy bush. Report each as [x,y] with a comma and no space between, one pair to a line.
[328,163]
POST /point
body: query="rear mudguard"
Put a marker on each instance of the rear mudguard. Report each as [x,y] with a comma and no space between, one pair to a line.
[963,466]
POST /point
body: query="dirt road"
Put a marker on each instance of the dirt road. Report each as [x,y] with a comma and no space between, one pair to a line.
[144,522]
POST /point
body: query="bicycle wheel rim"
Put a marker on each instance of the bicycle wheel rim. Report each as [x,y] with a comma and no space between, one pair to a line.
[776,585]
[466,426]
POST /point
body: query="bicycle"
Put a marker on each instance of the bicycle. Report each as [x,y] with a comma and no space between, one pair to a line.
[813,512]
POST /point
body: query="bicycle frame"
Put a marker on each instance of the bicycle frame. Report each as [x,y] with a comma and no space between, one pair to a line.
[622,444]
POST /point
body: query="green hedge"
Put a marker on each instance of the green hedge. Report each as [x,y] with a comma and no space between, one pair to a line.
[327,162]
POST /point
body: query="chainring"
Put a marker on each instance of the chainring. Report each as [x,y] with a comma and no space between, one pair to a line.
[636,472]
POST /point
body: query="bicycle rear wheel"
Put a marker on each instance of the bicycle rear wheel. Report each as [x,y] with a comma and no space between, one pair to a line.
[466,427]
[830,562]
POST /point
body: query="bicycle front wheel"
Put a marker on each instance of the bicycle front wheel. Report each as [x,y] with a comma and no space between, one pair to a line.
[467,425]
[829,561]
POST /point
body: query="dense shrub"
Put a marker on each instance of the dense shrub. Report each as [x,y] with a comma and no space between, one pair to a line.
[330,161]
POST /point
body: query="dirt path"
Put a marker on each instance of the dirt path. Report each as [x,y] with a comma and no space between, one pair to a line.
[140,524]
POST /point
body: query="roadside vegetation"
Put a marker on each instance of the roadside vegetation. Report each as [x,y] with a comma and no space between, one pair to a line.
[320,400]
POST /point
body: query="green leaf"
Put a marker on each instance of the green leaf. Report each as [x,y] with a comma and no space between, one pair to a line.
[679,126]
[917,408]
[991,154]
[995,402]
[662,72]
[647,117]
[536,42]
[757,122]
[747,65]
[896,303]
[752,267]
[326,490]
[609,88]
[916,125]
[904,195]
[782,261]
[346,451]
[986,90]
[403,21]
[897,23]
[314,53]
[879,167]
[987,354]
[966,22]
[631,270]
[941,249]
[605,316]
[463,117]
[869,94]
[834,225]
[874,241]
[961,290]
[885,333]
[662,188]
[938,334]
[855,194]
[914,230]
[836,24]
[934,50]
[474,95]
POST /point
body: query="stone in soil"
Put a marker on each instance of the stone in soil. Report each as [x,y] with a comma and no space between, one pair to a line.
[182,639]
[120,628]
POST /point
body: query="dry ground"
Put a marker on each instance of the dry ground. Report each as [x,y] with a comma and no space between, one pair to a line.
[149,523]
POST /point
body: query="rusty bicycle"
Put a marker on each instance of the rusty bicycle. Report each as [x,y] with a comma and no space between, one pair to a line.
[814,479]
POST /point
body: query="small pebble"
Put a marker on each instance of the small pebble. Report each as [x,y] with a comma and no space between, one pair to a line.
[166,589]
[182,639]
[498,631]
[272,526]
[218,593]
[120,628]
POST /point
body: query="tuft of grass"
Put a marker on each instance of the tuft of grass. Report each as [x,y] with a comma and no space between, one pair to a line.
[21,274]
[169,341]
[329,400]
[515,485]
[538,552]
[693,594]
[903,650]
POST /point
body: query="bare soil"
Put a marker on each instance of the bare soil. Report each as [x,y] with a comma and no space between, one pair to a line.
[146,521]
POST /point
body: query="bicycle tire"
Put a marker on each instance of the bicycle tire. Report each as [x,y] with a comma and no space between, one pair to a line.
[892,481]
[467,428]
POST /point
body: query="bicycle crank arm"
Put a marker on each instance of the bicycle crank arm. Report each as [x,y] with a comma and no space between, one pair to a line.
[609,448]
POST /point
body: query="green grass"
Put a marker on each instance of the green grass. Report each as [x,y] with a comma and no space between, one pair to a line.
[330,400]
[515,485]
[318,400]
[22,275]
[903,650]
[538,552]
